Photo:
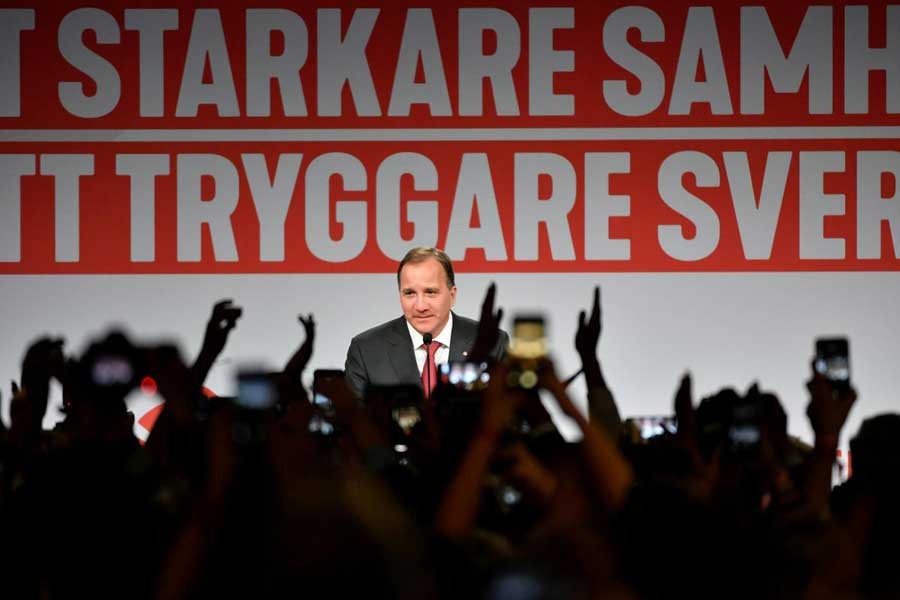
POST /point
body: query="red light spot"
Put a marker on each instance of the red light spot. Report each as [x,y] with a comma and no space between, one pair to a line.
[148,386]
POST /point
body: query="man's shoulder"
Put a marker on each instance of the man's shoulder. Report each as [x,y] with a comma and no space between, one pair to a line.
[466,331]
[394,326]
[470,326]
[463,326]
[464,323]
[457,318]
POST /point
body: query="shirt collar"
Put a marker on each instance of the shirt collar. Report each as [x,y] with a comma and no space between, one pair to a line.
[443,337]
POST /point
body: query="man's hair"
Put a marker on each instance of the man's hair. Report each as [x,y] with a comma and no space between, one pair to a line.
[423,253]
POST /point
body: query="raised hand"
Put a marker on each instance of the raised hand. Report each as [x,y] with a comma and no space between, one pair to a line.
[222,320]
[828,407]
[601,404]
[684,410]
[43,360]
[15,392]
[488,327]
[301,358]
[290,384]
[588,334]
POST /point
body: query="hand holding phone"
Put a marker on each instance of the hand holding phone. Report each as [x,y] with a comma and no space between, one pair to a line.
[831,395]
[651,426]
[323,421]
[528,339]
[833,360]
[222,320]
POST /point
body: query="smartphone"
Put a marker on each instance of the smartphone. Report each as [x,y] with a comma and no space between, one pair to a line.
[652,426]
[257,390]
[744,433]
[322,422]
[833,360]
[528,340]
[403,402]
[465,376]
[108,370]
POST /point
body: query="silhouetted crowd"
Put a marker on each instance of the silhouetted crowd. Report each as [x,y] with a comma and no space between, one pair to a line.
[472,493]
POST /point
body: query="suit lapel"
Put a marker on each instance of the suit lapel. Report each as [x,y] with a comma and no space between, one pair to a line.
[462,339]
[401,353]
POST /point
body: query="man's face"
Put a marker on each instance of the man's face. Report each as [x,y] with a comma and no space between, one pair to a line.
[425,297]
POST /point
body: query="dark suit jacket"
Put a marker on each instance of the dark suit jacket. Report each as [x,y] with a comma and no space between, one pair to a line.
[384,355]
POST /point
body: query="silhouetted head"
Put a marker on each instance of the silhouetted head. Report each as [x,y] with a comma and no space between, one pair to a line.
[876,450]
[96,387]
[714,415]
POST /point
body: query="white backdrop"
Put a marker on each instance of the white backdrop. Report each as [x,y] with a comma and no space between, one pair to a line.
[728,329]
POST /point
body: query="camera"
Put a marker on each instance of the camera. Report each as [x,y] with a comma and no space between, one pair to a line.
[111,368]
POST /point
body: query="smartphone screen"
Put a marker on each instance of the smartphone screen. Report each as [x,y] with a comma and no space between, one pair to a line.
[833,360]
[744,431]
[256,390]
[112,370]
[655,425]
[322,421]
[320,399]
[403,402]
[528,339]
[467,376]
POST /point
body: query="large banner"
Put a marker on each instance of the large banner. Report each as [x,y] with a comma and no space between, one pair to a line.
[563,136]
[726,170]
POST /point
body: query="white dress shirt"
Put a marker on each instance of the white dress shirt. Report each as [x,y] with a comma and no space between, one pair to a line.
[442,354]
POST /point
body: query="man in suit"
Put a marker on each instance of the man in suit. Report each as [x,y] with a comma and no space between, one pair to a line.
[394,352]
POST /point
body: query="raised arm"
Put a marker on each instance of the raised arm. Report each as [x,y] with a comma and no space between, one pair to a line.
[489,341]
[459,507]
[43,361]
[828,408]
[222,320]
[611,475]
[602,407]
[290,384]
